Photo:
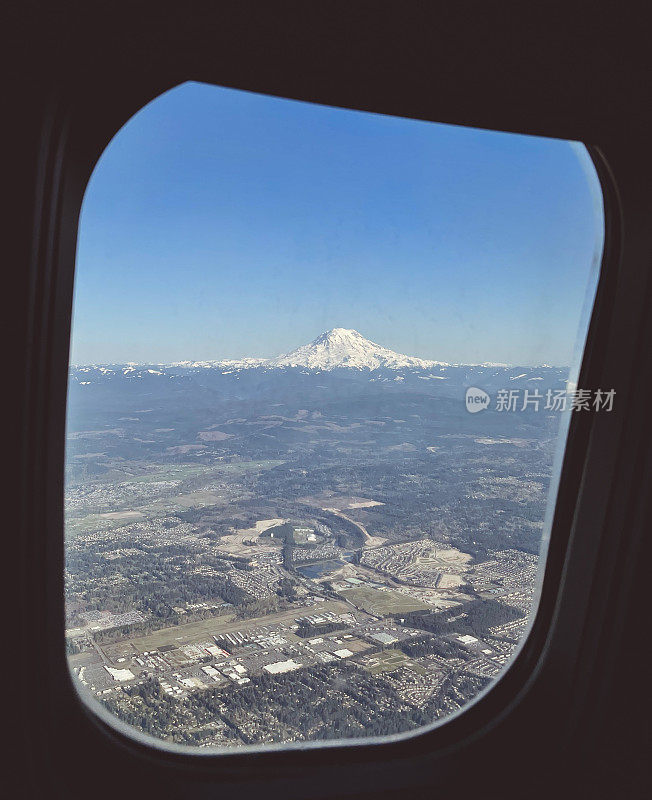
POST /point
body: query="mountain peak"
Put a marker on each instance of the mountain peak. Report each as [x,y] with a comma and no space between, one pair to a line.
[337,332]
[345,347]
[335,335]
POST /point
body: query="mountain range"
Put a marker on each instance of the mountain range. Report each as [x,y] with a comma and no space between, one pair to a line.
[335,356]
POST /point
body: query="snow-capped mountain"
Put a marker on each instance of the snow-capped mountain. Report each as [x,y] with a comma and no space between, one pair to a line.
[341,347]
[335,349]
[337,355]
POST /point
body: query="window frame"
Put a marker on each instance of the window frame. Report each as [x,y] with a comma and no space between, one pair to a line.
[549,662]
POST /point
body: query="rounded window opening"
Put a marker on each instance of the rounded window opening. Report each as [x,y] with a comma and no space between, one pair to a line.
[323,364]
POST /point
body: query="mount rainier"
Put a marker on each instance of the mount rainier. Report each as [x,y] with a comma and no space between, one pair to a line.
[335,349]
[334,361]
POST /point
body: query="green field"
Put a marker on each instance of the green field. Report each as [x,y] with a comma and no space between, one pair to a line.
[382,603]
[94,522]
[389,660]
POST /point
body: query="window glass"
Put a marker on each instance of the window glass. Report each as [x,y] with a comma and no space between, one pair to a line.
[323,364]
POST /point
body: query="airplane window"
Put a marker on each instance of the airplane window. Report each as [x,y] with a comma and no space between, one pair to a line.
[323,365]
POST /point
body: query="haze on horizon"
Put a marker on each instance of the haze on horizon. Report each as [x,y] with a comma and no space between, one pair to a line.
[221,224]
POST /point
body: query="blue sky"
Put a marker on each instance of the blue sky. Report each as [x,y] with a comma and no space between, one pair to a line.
[220,224]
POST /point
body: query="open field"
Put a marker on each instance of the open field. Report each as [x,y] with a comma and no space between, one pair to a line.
[450,581]
[200,477]
[191,500]
[435,598]
[185,448]
[356,645]
[95,522]
[338,501]
[389,660]
[241,467]
[380,603]
[213,436]
[445,559]
[166,472]
[234,543]
[122,516]
[182,472]
[90,657]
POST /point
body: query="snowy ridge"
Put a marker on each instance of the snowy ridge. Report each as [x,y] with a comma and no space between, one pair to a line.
[235,363]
